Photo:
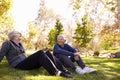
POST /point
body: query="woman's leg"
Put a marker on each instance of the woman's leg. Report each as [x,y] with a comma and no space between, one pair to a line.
[57,63]
[37,60]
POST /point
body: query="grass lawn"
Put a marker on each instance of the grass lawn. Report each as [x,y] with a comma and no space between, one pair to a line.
[108,69]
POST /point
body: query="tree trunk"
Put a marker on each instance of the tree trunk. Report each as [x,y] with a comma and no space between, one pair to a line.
[118,5]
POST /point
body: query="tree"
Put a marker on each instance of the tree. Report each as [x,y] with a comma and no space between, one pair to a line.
[35,39]
[75,4]
[83,33]
[109,38]
[4,6]
[107,42]
[100,12]
[6,25]
[58,27]
[106,36]
[118,5]
[52,36]
[6,21]
[46,18]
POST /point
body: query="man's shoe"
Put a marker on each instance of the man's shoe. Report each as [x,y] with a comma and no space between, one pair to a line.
[89,70]
[79,71]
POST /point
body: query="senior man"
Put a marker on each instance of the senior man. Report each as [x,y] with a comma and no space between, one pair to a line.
[68,55]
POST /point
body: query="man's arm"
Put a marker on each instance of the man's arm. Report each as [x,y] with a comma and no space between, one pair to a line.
[71,49]
[57,49]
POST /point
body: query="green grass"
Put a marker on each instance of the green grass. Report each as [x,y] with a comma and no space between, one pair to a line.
[108,69]
[109,51]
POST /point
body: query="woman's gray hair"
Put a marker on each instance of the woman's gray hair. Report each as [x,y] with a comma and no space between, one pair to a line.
[61,35]
[12,34]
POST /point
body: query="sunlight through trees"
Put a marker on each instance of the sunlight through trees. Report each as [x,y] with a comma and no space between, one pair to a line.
[101,28]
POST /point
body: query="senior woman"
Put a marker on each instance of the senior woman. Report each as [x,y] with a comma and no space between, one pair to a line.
[15,55]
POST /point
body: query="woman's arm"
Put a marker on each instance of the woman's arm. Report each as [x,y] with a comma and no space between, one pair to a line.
[4,50]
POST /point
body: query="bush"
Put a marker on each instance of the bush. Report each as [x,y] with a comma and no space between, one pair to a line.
[96,53]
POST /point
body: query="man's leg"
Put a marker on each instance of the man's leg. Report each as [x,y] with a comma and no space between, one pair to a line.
[67,61]
[83,66]
[79,62]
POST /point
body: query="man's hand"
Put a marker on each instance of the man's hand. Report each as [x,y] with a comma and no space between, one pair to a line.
[76,56]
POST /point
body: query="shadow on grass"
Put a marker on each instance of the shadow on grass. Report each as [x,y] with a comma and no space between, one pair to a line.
[7,73]
[108,69]
[91,76]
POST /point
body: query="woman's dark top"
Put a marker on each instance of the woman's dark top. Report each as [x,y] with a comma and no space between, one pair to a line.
[14,53]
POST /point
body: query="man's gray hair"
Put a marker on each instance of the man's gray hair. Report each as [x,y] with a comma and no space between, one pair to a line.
[61,35]
[13,34]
